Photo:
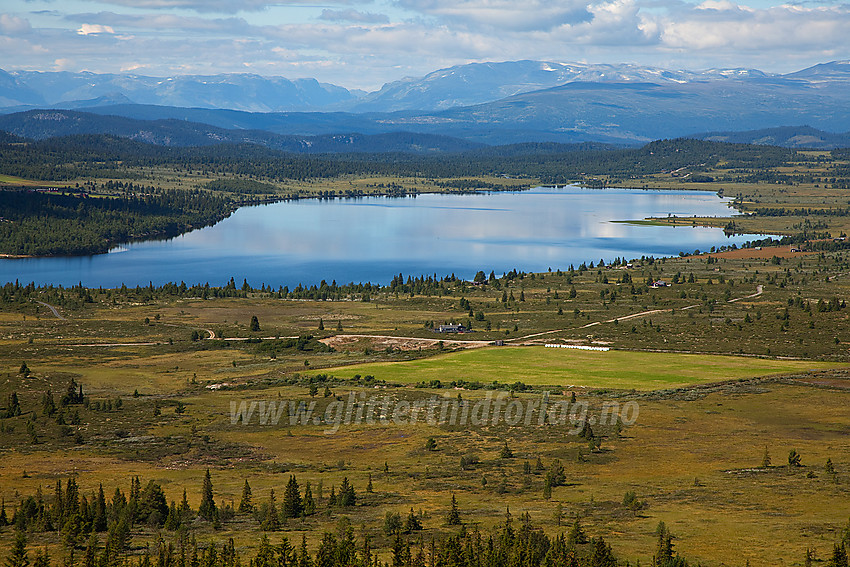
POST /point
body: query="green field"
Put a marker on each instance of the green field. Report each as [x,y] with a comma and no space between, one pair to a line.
[592,369]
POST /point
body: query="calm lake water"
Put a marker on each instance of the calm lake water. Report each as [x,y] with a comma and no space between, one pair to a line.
[371,239]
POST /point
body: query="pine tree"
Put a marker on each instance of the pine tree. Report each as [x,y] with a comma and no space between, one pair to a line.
[829,468]
[346,496]
[576,535]
[42,558]
[99,523]
[602,555]
[839,556]
[245,505]
[185,510]
[90,556]
[664,550]
[255,324]
[48,405]
[794,459]
[369,484]
[321,324]
[292,504]
[506,452]
[309,502]
[304,559]
[271,522]
[18,555]
[207,510]
[453,517]
[172,521]
[765,460]
[412,524]
[13,408]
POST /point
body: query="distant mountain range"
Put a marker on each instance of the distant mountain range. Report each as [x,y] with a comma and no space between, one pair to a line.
[237,91]
[478,83]
[801,137]
[41,124]
[482,103]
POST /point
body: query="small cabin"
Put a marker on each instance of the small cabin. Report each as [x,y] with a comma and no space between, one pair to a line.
[450,329]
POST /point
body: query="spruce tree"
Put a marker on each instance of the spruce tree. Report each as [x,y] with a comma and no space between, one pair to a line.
[453,517]
[765,459]
[99,522]
[245,505]
[576,535]
[271,522]
[506,452]
[829,468]
[292,504]
[412,524]
[185,510]
[18,554]
[309,502]
[207,510]
[346,496]
[42,558]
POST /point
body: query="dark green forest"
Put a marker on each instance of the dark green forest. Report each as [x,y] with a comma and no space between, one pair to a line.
[72,157]
[41,224]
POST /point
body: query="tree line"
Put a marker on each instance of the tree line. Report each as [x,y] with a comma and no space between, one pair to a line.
[97,531]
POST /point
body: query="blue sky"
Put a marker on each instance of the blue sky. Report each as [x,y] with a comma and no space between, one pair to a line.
[363,44]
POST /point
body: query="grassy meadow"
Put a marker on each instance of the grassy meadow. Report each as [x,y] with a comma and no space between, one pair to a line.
[569,368]
[745,354]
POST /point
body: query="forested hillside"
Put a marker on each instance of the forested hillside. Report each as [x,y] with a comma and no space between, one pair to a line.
[41,224]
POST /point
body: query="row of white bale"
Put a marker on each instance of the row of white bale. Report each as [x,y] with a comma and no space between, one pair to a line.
[579,347]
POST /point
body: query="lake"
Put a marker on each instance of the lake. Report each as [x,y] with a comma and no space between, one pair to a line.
[374,238]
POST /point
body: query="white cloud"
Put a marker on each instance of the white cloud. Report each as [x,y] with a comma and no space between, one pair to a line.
[13,25]
[232,26]
[355,47]
[352,15]
[210,6]
[503,14]
[780,28]
[94,29]
[721,6]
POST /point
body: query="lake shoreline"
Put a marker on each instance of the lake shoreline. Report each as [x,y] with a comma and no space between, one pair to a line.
[370,238]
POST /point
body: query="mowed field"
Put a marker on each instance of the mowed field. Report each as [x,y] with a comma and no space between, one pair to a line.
[539,365]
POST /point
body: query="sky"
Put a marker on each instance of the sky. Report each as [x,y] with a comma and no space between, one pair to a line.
[366,43]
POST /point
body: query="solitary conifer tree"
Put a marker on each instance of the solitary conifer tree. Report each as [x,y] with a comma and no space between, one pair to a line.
[245,505]
[207,509]
[453,517]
